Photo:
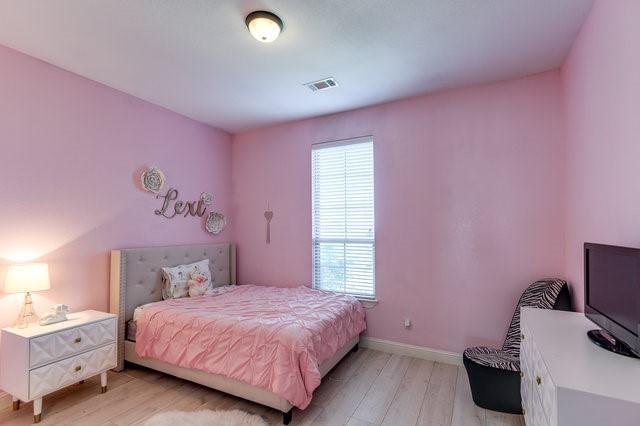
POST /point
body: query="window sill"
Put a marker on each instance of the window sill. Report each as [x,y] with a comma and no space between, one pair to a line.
[367,303]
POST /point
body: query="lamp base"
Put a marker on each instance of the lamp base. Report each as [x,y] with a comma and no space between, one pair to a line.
[27,313]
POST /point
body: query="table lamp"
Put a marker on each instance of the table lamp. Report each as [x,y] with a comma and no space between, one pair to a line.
[26,278]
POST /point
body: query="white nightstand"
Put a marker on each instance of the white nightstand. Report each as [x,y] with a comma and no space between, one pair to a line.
[38,360]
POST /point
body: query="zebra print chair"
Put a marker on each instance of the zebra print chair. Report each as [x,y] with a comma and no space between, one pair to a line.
[494,374]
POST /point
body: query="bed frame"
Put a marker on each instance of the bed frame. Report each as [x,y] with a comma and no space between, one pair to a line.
[136,280]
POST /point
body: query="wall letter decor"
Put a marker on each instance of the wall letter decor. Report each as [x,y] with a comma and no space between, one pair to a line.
[193,208]
[153,180]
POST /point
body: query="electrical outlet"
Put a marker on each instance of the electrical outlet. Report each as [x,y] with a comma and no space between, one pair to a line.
[407,323]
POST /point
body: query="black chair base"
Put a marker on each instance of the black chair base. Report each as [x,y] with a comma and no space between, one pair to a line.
[493,388]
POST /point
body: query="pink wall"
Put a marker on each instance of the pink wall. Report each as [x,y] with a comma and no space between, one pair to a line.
[601,80]
[469,194]
[70,148]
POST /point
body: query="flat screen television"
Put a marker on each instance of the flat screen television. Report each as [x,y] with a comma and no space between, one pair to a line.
[612,296]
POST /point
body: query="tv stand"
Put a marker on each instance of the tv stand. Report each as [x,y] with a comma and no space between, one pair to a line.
[567,380]
[610,343]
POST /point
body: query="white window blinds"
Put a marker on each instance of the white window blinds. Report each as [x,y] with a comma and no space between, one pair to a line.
[343,234]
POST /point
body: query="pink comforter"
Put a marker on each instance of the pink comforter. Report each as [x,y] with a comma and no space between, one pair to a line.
[270,337]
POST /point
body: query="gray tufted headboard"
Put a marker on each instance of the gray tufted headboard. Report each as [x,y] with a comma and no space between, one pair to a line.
[136,278]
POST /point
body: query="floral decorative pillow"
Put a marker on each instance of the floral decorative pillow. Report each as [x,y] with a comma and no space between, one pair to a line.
[199,284]
[176,279]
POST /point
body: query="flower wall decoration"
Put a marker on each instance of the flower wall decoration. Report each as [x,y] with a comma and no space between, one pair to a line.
[215,223]
[206,198]
[152,179]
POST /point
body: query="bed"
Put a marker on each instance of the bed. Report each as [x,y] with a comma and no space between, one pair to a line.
[136,281]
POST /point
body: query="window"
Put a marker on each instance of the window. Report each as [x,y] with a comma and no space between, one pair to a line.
[343,234]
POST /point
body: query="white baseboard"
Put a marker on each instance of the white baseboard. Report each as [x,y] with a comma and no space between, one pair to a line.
[422,352]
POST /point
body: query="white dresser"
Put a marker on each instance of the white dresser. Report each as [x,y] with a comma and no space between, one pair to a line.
[569,381]
[38,360]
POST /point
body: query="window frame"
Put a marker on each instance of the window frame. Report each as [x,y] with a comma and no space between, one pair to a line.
[333,144]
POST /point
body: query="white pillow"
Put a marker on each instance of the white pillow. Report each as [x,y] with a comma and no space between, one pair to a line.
[175,280]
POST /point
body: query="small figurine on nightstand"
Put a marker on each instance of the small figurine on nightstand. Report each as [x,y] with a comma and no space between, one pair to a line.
[59,314]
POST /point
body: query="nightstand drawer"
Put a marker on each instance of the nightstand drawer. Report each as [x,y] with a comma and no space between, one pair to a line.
[62,373]
[52,347]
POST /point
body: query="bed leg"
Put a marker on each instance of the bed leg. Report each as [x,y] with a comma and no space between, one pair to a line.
[286,417]
[355,348]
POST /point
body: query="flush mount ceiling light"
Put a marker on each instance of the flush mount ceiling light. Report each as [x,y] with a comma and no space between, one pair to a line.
[264,26]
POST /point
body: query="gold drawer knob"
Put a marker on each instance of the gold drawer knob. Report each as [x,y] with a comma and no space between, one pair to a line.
[521,374]
[78,368]
[78,339]
[538,380]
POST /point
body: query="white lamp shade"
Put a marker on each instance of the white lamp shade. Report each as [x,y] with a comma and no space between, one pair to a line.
[27,277]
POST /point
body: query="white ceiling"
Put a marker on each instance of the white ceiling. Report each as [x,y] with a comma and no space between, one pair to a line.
[197,58]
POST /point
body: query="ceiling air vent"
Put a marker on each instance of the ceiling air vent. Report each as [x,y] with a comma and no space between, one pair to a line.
[324,84]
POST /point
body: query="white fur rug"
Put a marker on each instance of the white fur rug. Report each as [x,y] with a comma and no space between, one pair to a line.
[205,418]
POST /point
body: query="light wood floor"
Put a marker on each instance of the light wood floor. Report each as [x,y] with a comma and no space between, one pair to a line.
[367,387]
